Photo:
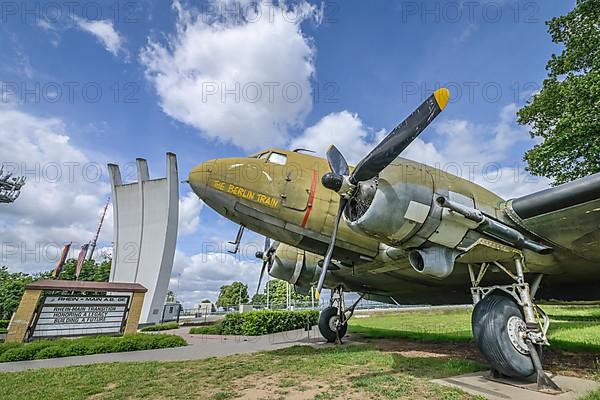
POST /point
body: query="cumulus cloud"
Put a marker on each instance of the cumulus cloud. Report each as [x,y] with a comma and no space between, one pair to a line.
[105,33]
[236,81]
[189,213]
[61,200]
[478,152]
[351,137]
[200,276]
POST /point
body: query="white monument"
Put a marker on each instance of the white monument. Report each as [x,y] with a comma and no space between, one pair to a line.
[145,232]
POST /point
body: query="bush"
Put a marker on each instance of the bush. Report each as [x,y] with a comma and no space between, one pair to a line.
[209,329]
[161,327]
[4,323]
[85,346]
[263,322]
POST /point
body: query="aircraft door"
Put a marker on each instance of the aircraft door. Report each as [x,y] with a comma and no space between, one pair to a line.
[297,187]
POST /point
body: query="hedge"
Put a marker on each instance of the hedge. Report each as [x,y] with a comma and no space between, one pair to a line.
[256,323]
[208,329]
[86,345]
[4,323]
[161,327]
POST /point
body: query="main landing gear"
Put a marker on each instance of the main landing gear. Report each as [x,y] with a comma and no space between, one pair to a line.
[333,320]
[508,327]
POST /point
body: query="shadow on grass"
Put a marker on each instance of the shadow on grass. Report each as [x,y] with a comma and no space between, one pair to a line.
[301,350]
[575,318]
[382,333]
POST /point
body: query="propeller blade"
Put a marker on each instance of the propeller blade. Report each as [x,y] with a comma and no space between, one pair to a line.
[262,272]
[267,244]
[337,162]
[329,253]
[400,137]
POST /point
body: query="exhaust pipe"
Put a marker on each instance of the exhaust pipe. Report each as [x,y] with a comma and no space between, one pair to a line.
[435,261]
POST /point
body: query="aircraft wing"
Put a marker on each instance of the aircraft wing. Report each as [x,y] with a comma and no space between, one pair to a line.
[567,215]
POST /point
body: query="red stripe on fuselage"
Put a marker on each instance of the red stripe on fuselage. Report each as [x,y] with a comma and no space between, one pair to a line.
[313,190]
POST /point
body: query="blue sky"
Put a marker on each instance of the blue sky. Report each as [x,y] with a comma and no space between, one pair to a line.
[361,68]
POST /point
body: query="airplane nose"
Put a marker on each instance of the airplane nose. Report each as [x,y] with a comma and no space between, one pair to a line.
[199,177]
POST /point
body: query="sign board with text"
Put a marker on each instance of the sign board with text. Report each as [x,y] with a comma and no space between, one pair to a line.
[62,316]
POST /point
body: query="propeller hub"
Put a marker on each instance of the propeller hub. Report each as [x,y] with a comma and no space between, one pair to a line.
[341,184]
[332,181]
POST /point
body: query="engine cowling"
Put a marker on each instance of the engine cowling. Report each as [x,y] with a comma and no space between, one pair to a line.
[394,206]
[295,266]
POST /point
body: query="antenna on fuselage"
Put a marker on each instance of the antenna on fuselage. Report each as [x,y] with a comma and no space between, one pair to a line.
[303,151]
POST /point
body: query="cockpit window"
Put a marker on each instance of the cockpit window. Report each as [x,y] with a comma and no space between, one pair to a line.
[262,155]
[278,158]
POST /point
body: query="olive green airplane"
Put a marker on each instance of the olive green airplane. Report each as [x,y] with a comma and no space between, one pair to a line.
[413,234]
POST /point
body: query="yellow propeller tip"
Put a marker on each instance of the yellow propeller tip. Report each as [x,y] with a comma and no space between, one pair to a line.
[317,295]
[442,96]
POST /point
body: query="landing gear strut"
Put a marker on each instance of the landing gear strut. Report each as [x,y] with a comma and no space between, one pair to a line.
[333,321]
[508,327]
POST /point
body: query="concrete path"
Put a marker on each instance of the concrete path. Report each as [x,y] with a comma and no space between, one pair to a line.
[200,347]
[480,384]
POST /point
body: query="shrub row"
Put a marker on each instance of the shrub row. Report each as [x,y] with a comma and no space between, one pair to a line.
[161,327]
[86,345]
[256,323]
[209,329]
[4,323]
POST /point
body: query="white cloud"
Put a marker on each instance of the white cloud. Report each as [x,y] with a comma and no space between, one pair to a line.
[62,197]
[343,129]
[478,152]
[105,32]
[189,213]
[237,82]
[200,276]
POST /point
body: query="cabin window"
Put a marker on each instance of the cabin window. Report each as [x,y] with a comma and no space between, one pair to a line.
[278,158]
[263,156]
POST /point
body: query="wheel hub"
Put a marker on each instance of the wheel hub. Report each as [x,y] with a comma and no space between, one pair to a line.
[516,329]
[333,323]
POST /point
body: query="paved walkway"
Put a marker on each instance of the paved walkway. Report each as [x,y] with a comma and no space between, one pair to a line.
[480,384]
[200,347]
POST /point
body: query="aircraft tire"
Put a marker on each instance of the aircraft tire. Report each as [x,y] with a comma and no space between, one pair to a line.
[327,320]
[495,323]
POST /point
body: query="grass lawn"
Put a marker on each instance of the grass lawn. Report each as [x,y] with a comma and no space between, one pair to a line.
[410,349]
[572,328]
[352,371]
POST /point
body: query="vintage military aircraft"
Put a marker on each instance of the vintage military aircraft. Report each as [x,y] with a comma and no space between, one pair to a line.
[415,234]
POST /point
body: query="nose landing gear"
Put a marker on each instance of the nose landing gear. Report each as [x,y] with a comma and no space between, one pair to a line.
[333,320]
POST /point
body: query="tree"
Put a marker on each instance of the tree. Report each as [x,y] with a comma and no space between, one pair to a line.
[12,286]
[236,293]
[278,294]
[259,298]
[566,112]
[90,270]
[170,296]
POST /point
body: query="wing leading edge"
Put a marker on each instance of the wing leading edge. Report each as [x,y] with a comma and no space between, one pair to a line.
[567,215]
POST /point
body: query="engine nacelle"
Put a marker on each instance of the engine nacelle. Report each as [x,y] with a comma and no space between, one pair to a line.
[295,266]
[393,207]
[434,261]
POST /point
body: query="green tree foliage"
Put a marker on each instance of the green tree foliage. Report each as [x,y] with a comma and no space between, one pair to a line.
[566,112]
[236,293]
[277,294]
[259,298]
[90,271]
[12,285]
